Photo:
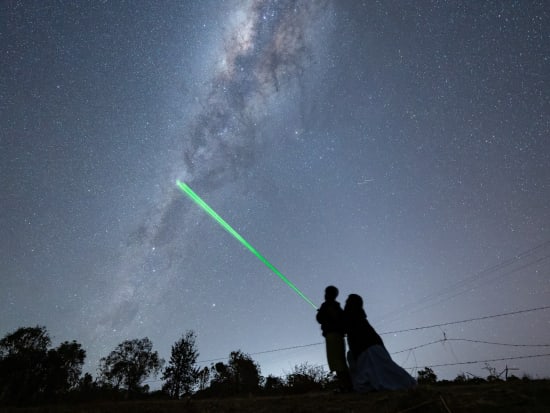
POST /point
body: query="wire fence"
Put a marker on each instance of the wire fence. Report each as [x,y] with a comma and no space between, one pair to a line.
[506,267]
[469,320]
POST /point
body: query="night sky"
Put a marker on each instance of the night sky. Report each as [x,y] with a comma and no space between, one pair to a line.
[398,150]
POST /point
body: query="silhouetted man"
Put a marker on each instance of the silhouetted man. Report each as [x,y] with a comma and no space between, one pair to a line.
[331,318]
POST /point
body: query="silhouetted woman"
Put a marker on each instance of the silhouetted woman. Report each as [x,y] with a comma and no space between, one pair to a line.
[371,366]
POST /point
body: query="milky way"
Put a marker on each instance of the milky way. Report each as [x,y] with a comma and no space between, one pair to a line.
[266,49]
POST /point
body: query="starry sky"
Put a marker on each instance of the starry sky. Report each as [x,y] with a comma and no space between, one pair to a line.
[398,150]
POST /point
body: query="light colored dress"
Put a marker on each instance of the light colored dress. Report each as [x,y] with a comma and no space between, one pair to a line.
[374,369]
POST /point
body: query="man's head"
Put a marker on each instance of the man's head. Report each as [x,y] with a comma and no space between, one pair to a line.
[331,292]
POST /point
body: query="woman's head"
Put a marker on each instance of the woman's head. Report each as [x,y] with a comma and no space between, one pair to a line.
[354,302]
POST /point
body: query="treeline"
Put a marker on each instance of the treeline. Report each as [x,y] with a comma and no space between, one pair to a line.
[31,371]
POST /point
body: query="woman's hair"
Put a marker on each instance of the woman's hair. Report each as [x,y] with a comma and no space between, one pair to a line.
[354,304]
[355,301]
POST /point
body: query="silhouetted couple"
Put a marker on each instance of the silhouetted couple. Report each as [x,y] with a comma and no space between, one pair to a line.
[370,364]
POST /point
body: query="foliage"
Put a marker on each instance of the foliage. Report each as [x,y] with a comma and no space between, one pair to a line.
[25,340]
[86,385]
[203,378]
[130,364]
[240,375]
[221,382]
[33,372]
[460,378]
[181,374]
[246,372]
[29,371]
[468,378]
[65,367]
[274,384]
[426,376]
[306,377]
[513,378]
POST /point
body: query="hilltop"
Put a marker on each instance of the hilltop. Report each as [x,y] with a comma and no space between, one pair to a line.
[502,397]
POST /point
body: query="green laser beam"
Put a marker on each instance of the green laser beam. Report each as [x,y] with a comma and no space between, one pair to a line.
[198,200]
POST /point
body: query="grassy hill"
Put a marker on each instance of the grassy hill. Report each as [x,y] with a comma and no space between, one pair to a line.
[517,396]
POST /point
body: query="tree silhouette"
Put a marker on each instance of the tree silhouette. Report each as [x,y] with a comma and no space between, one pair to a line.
[273,384]
[64,368]
[31,372]
[222,379]
[130,364]
[181,374]
[23,355]
[306,377]
[204,378]
[240,375]
[25,340]
[245,372]
[426,376]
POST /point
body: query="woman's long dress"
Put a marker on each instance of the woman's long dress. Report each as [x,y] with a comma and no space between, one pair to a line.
[374,369]
[371,366]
